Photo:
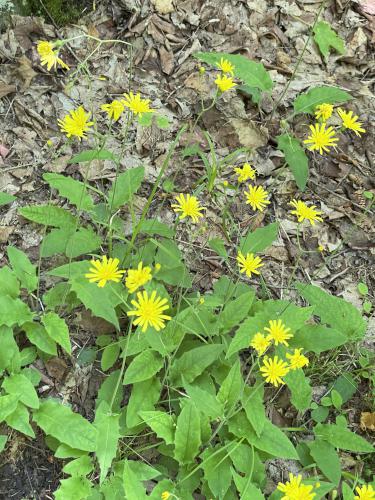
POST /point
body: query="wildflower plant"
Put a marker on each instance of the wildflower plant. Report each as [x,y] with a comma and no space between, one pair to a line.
[185,371]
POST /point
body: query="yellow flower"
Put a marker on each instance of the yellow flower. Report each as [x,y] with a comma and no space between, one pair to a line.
[321,139]
[136,104]
[202,70]
[114,110]
[249,264]
[75,124]
[48,56]
[165,495]
[189,207]
[260,343]
[105,270]
[295,490]
[273,369]
[225,183]
[137,277]
[321,248]
[257,198]
[323,111]
[351,122]
[278,332]
[303,212]
[245,173]
[224,83]
[297,360]
[365,492]
[225,66]
[149,311]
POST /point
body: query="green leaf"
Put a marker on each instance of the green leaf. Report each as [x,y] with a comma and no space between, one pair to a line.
[9,353]
[23,268]
[325,37]
[362,288]
[258,240]
[252,402]
[19,420]
[327,459]
[143,397]
[77,488]
[70,242]
[133,487]
[335,311]
[143,367]
[57,330]
[9,285]
[247,489]
[110,356]
[145,119]
[127,184]
[347,492]
[295,157]
[192,363]
[216,466]
[108,434]
[65,451]
[346,386]
[48,215]
[317,338]
[79,467]
[6,198]
[188,434]
[236,310]
[8,404]
[300,388]
[75,191]
[20,386]
[3,440]
[68,427]
[13,311]
[161,423]
[320,414]
[162,121]
[93,154]
[253,92]
[217,245]
[307,103]
[204,401]
[342,438]
[231,387]
[153,226]
[250,72]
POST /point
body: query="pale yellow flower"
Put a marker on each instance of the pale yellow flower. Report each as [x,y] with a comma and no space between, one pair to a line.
[297,360]
[114,109]
[278,332]
[323,111]
[245,173]
[257,198]
[188,206]
[225,66]
[149,311]
[260,343]
[350,121]
[104,270]
[249,264]
[321,139]
[136,104]
[303,212]
[224,83]
[273,370]
[48,56]
[137,277]
[76,123]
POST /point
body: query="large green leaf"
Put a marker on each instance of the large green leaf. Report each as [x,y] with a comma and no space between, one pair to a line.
[9,353]
[143,397]
[317,338]
[327,459]
[342,438]
[143,367]
[70,242]
[335,311]
[295,157]
[250,72]
[20,386]
[300,388]
[6,198]
[57,330]
[252,403]
[133,486]
[216,467]
[93,154]
[161,423]
[153,226]
[13,311]
[231,387]
[307,103]
[9,284]
[188,434]
[75,191]
[108,434]
[260,239]
[326,38]
[192,363]
[19,420]
[247,489]
[77,488]
[48,215]
[127,184]
[204,401]
[23,268]
[62,423]
[8,404]
[236,310]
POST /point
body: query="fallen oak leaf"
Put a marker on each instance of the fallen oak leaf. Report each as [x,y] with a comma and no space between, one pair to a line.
[367,421]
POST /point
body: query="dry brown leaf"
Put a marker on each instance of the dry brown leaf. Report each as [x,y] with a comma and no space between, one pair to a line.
[163,6]
[166,60]
[368,421]
[25,72]
[6,89]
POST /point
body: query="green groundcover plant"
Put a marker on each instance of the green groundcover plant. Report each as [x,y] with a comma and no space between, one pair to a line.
[181,408]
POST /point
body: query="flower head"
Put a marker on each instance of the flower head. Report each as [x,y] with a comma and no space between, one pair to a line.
[245,173]
[114,109]
[350,121]
[323,111]
[260,343]
[295,490]
[149,311]
[257,198]
[249,264]
[278,332]
[321,139]
[297,360]
[136,104]
[104,270]
[76,123]
[303,212]
[273,369]
[366,492]
[165,495]
[137,277]
[225,66]
[188,206]
[48,56]
[224,83]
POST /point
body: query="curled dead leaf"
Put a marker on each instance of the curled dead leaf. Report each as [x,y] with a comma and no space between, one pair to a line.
[367,421]
[163,6]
